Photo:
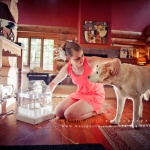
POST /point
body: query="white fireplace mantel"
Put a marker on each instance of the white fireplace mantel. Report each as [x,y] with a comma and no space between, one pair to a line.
[10,47]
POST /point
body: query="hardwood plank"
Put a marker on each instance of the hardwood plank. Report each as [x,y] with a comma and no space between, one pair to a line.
[20,133]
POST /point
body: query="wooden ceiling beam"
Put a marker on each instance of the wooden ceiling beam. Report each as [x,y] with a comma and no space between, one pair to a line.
[47,29]
[127,34]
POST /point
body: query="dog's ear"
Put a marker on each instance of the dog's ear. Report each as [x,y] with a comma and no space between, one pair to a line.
[105,72]
[107,65]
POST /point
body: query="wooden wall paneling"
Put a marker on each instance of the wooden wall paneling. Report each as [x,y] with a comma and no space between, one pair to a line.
[63,37]
[122,41]
[127,34]
[37,34]
[100,46]
[59,34]
[42,45]
[55,63]
[29,54]
[47,29]
[129,46]
[147,47]
[130,40]
[143,50]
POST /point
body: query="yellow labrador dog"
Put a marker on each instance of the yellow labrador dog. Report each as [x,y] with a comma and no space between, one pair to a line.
[131,82]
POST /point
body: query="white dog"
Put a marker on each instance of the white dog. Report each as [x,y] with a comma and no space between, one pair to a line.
[131,82]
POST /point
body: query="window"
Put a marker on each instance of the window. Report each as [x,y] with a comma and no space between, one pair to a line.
[35,53]
[48,54]
[38,53]
[24,41]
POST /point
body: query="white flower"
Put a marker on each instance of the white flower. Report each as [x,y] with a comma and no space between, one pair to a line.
[60,54]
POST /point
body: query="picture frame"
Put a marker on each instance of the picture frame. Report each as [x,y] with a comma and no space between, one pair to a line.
[128,53]
[96,32]
[123,53]
[148,53]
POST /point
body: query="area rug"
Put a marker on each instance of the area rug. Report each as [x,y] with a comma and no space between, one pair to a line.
[127,138]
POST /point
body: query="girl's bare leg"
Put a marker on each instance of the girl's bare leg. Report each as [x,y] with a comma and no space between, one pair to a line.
[63,105]
[79,110]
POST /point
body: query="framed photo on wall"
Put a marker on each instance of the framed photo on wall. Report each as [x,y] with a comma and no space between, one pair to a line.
[96,32]
[123,53]
[128,53]
[148,53]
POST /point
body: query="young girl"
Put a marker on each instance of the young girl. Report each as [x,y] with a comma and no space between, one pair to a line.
[89,97]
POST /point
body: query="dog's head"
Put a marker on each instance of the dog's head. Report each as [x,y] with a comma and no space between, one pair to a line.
[103,72]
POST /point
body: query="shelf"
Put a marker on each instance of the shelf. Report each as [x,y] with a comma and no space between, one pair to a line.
[129,60]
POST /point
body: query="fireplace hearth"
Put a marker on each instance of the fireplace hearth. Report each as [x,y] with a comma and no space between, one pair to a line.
[110,53]
[98,55]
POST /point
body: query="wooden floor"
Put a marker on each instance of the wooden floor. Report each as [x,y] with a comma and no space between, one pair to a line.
[53,132]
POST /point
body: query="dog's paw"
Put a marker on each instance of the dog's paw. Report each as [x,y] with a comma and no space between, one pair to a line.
[140,116]
[135,124]
[114,122]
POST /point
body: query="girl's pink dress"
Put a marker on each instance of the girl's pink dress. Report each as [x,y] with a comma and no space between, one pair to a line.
[93,93]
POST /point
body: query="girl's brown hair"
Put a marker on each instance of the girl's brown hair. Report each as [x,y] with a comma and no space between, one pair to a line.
[68,47]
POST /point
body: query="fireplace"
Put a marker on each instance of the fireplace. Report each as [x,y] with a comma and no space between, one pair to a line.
[110,53]
[98,55]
